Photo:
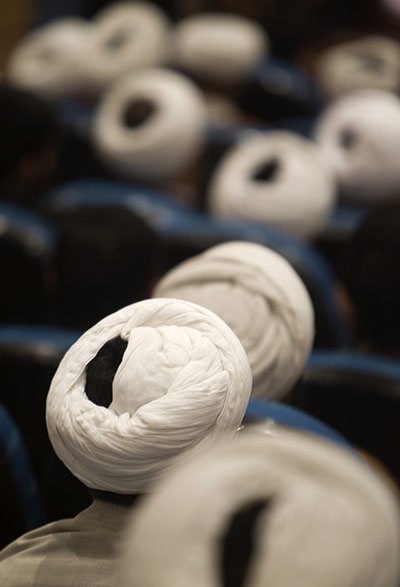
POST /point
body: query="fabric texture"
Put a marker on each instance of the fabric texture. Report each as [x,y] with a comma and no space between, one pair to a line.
[78,552]
[167,140]
[220,47]
[184,381]
[126,36]
[369,62]
[358,137]
[324,518]
[48,61]
[276,178]
[261,297]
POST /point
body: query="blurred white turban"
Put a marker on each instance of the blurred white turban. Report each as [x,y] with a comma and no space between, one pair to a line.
[48,61]
[276,178]
[369,62]
[359,140]
[316,516]
[261,297]
[127,36]
[184,381]
[169,135]
[219,47]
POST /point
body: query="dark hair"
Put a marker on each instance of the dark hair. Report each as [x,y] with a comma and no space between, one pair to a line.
[372,277]
[27,125]
[107,259]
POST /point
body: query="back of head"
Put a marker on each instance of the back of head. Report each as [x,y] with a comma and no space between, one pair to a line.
[264,301]
[372,277]
[28,135]
[278,511]
[107,259]
[145,385]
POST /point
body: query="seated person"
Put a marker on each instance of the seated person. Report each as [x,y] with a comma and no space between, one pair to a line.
[280,510]
[144,388]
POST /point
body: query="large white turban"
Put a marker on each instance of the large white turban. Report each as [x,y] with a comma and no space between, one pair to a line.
[369,62]
[127,36]
[261,297]
[168,137]
[276,178]
[300,512]
[359,139]
[219,47]
[48,61]
[184,381]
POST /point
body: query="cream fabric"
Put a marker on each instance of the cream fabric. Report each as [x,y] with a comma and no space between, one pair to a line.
[260,296]
[359,136]
[184,381]
[331,520]
[48,61]
[369,62]
[222,47]
[127,36]
[167,141]
[297,198]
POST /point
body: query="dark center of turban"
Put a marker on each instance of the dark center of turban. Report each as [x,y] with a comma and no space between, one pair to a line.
[239,543]
[49,55]
[267,171]
[101,370]
[347,138]
[372,62]
[138,112]
[118,38]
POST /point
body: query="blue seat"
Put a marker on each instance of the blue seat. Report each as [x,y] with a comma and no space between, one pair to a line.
[21,504]
[285,415]
[359,395]
[29,357]
[185,232]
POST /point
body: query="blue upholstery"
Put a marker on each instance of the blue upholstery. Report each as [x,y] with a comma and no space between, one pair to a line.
[294,418]
[36,233]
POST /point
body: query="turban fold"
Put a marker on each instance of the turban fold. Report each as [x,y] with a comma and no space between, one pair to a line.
[277,511]
[261,297]
[359,136]
[276,178]
[169,117]
[184,380]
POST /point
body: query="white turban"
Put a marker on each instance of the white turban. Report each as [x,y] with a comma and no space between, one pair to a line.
[260,296]
[321,518]
[127,36]
[370,62]
[169,137]
[221,47]
[276,178]
[48,61]
[359,140]
[184,381]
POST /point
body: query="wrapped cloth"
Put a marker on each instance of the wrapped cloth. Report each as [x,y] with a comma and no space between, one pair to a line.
[183,381]
[218,47]
[276,178]
[127,36]
[358,136]
[48,61]
[369,62]
[260,296]
[267,511]
[151,124]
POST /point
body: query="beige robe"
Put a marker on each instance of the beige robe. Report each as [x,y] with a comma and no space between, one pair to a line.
[78,552]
